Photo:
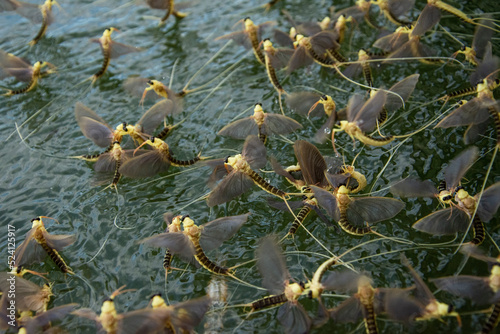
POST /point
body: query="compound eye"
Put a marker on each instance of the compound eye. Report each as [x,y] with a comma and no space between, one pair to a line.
[227,159]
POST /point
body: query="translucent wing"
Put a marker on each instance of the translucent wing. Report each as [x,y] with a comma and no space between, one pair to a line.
[354,106]
[336,180]
[145,165]
[240,129]
[301,102]
[105,163]
[158,4]
[45,318]
[30,11]
[233,185]
[58,242]
[457,167]
[312,164]
[471,112]
[176,242]
[218,174]
[404,88]
[136,85]
[325,131]
[93,127]
[239,37]
[120,49]
[155,116]
[254,152]
[280,57]
[366,117]
[414,188]
[29,251]
[353,70]
[341,281]
[282,38]
[427,19]
[392,42]
[422,293]
[8,60]
[482,36]
[187,315]
[400,306]
[474,132]
[293,317]
[349,310]
[323,41]
[490,200]
[375,209]
[28,295]
[278,169]
[279,124]
[443,222]
[8,5]
[217,231]
[328,201]
[143,321]
[398,7]
[272,266]
[21,74]
[298,59]
[472,287]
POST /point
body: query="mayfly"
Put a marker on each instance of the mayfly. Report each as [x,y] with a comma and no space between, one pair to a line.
[482,290]
[39,243]
[11,65]
[169,6]
[276,279]
[33,324]
[365,304]
[110,49]
[240,174]
[359,12]
[475,54]
[453,173]
[182,317]
[362,118]
[422,306]
[28,295]
[195,240]
[141,321]
[155,161]
[261,124]
[395,9]
[250,37]
[352,214]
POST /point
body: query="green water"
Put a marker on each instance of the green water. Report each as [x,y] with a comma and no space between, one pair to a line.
[38,177]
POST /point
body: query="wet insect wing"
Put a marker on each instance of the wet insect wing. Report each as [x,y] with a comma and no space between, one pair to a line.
[414,188]
[366,117]
[399,8]
[427,19]
[278,169]
[294,319]
[240,129]
[341,281]
[45,318]
[474,288]
[300,58]
[443,222]
[373,209]
[254,152]
[471,112]
[279,58]
[145,165]
[482,36]
[58,242]
[301,103]
[272,265]
[457,168]
[324,132]
[400,306]
[327,201]
[490,201]
[422,292]
[403,88]
[354,106]
[187,315]
[8,5]
[218,174]
[93,127]
[29,296]
[279,125]
[283,38]
[29,251]
[31,12]
[350,310]
[312,164]
[336,180]
[486,68]
[155,116]
[8,60]
[233,185]
[176,242]
[217,231]
[474,131]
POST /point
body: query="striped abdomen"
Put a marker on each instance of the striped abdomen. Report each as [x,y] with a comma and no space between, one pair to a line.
[349,228]
[442,186]
[25,89]
[58,260]
[337,56]
[205,261]
[382,117]
[367,74]
[254,39]
[117,175]
[492,321]
[301,216]
[167,259]
[107,57]
[181,163]
[462,92]
[496,119]
[164,133]
[262,137]
[478,229]
[271,73]
[42,30]
[269,301]
[258,180]
[370,320]
[369,140]
[323,61]
[94,157]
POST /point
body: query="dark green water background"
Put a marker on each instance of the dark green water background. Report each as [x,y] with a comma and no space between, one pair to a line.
[37,177]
